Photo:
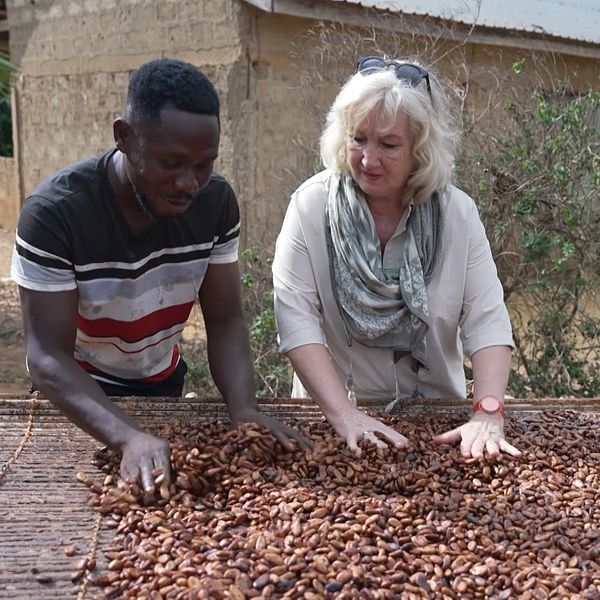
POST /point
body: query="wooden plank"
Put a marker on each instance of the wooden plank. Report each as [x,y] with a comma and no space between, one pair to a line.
[45,509]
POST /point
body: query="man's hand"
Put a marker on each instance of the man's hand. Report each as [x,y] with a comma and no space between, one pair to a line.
[482,432]
[142,454]
[353,424]
[288,437]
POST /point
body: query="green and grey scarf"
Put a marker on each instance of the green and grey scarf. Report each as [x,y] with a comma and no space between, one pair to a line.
[380,309]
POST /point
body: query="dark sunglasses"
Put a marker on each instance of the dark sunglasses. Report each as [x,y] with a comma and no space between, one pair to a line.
[410,72]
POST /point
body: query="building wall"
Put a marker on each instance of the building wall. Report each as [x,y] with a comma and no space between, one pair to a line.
[275,79]
[75,58]
[298,68]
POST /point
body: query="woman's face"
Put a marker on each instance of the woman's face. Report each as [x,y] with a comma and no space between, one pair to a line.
[381,158]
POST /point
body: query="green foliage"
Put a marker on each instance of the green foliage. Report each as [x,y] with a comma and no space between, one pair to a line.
[540,178]
[7,70]
[518,65]
[198,378]
[272,371]
[6,143]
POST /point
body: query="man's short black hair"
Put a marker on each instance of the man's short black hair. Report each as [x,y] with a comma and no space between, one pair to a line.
[168,81]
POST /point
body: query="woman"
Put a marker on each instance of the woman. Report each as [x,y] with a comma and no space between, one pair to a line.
[383,274]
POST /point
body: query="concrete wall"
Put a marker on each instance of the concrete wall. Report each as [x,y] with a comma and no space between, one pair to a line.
[299,65]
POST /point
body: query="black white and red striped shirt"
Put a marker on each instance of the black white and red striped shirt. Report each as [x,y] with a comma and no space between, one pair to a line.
[135,293]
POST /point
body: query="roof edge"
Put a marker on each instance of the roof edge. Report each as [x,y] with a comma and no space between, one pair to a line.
[410,23]
[266,5]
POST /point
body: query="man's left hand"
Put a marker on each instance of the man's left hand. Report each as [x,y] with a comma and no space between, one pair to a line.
[288,437]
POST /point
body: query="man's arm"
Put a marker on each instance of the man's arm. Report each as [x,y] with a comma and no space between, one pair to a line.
[229,354]
[50,323]
[227,337]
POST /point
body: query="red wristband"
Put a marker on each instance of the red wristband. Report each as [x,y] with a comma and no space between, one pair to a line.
[489,405]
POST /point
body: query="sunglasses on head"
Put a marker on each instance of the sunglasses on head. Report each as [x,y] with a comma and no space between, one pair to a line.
[410,72]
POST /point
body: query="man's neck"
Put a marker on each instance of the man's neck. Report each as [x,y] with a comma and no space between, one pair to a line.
[138,219]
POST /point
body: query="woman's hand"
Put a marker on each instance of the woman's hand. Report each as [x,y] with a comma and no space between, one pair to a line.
[353,424]
[142,454]
[314,366]
[482,432]
[288,437]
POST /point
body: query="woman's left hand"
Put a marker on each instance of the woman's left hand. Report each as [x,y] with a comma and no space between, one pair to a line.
[482,432]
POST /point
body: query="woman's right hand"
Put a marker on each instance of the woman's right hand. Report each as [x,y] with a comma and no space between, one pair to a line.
[353,425]
[313,364]
[142,454]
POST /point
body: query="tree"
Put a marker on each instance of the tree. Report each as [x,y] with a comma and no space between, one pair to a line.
[7,70]
[537,182]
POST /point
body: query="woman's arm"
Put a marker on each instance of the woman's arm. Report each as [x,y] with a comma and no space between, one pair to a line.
[486,333]
[313,365]
[491,367]
[298,310]
[485,431]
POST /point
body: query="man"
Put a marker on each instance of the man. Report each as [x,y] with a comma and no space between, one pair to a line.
[110,255]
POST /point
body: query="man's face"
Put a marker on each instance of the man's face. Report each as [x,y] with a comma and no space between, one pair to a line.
[171,160]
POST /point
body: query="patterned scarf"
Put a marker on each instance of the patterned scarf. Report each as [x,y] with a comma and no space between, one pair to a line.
[380,309]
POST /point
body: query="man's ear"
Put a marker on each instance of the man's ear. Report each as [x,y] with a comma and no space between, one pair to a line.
[122,134]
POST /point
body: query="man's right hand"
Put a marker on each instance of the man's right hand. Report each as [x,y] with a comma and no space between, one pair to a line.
[142,454]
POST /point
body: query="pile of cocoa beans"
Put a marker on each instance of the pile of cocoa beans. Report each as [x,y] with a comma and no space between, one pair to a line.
[244,519]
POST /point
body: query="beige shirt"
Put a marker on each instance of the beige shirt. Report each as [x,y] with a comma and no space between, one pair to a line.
[465,298]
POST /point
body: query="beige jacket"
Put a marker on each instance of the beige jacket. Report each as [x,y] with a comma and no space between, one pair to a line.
[466,307]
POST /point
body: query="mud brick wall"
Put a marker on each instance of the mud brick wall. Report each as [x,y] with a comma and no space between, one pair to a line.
[75,59]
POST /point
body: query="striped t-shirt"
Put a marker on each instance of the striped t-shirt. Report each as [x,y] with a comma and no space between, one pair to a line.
[135,293]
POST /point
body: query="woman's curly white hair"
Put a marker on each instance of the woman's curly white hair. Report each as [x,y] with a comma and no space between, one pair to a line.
[383,94]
